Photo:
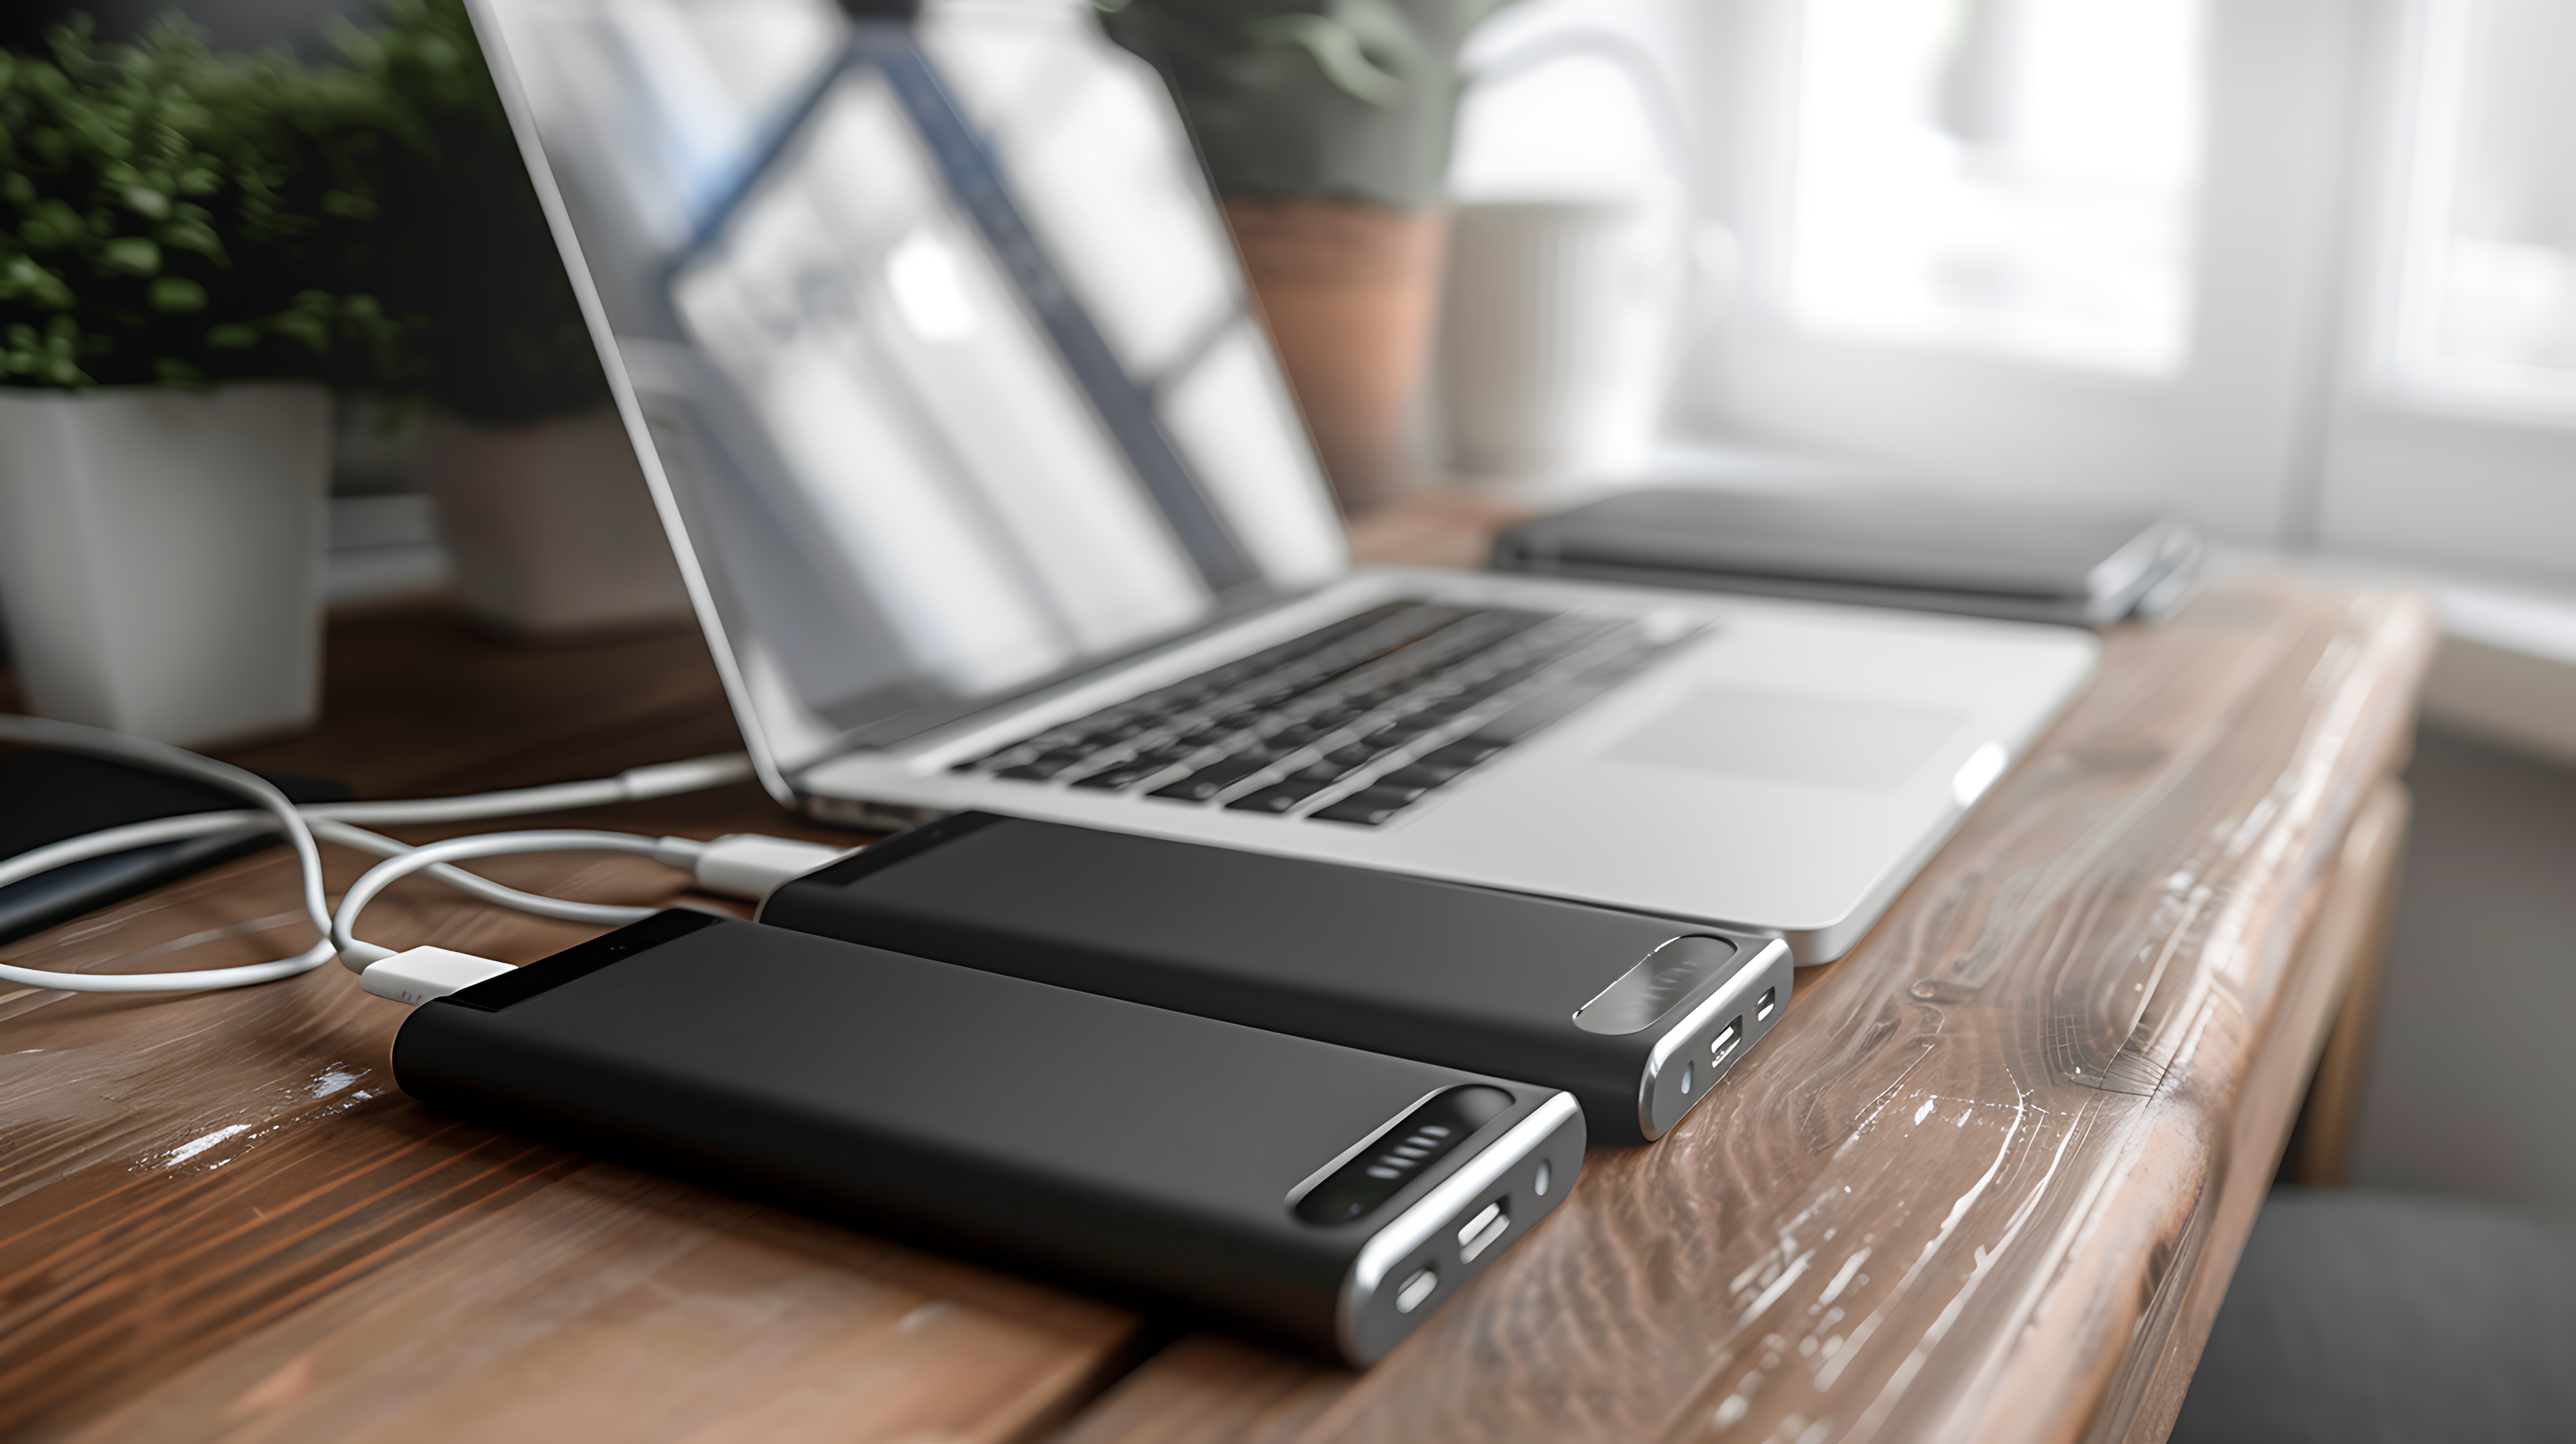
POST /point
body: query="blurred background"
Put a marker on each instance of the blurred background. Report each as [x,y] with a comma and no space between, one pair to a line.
[2301,272]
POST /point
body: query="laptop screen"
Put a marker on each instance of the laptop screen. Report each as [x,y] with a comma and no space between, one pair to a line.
[938,339]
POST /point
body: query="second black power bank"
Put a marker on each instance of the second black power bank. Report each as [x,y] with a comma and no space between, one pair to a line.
[1331,1195]
[1634,1015]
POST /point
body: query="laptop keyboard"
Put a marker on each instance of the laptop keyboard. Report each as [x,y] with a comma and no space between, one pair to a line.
[1350,723]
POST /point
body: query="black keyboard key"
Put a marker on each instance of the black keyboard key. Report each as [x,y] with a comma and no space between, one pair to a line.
[1462,755]
[1275,800]
[1047,765]
[1126,774]
[1405,733]
[1420,775]
[1214,778]
[1367,807]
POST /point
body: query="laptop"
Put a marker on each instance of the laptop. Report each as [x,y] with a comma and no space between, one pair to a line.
[989,495]
[1889,549]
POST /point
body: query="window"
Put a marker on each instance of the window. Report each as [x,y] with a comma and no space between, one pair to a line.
[2012,176]
[2486,305]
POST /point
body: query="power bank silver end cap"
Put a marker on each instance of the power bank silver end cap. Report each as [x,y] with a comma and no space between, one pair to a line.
[1427,1253]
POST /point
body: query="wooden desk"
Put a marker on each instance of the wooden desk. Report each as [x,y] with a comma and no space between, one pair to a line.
[1987,1182]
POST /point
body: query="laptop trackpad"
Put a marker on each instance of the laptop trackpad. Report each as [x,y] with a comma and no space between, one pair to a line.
[1783,738]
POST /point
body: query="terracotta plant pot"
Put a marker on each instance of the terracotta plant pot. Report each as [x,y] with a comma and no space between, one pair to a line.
[551,525]
[161,556]
[1350,292]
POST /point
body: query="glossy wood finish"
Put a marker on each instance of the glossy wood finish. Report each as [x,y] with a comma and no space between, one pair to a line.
[1968,1188]
[1985,1182]
[2344,944]
[218,1221]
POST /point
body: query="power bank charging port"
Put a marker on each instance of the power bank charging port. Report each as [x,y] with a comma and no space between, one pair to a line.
[1410,1294]
[1762,1009]
[1479,1233]
[1726,1039]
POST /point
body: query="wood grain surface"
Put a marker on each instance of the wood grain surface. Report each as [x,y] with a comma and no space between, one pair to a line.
[1983,1183]
[1962,1186]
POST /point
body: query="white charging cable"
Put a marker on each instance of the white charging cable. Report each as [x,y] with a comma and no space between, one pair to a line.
[742,864]
[172,829]
[679,852]
[745,865]
[96,742]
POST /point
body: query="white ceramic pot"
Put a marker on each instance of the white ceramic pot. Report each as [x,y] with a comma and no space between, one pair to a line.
[551,526]
[1557,328]
[161,556]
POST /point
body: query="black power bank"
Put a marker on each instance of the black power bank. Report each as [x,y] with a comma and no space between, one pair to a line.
[1331,1195]
[1634,1015]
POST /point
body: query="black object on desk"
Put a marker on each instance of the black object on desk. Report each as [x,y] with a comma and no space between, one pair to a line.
[1974,558]
[50,797]
[1637,1016]
[1332,1195]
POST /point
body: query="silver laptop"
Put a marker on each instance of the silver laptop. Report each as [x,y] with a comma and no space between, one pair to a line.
[990,496]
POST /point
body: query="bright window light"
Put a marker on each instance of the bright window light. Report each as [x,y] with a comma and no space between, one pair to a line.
[930,289]
[2013,177]
[2486,304]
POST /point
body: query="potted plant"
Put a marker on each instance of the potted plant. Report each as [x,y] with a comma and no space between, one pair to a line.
[1325,126]
[540,498]
[175,228]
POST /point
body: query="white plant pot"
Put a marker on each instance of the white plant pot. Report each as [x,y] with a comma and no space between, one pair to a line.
[551,525]
[161,556]
[1557,328]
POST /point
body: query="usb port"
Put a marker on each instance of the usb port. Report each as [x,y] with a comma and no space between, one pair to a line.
[1479,1233]
[1770,1000]
[1410,1293]
[1724,1043]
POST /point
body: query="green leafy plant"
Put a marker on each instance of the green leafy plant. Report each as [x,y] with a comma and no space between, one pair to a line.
[172,216]
[1344,99]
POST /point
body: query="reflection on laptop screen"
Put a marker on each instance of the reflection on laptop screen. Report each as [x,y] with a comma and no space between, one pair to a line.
[940,343]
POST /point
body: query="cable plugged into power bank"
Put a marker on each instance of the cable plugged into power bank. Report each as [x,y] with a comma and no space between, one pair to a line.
[751,866]
[419,974]
[745,865]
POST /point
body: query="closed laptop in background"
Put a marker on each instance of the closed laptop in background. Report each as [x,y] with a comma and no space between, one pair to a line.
[1927,554]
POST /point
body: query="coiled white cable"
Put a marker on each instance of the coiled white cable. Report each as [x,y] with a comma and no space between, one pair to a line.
[97,742]
[679,852]
[335,822]
[636,784]
[202,824]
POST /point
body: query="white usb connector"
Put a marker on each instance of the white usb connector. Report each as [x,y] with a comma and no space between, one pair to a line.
[750,866]
[420,974]
[743,864]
